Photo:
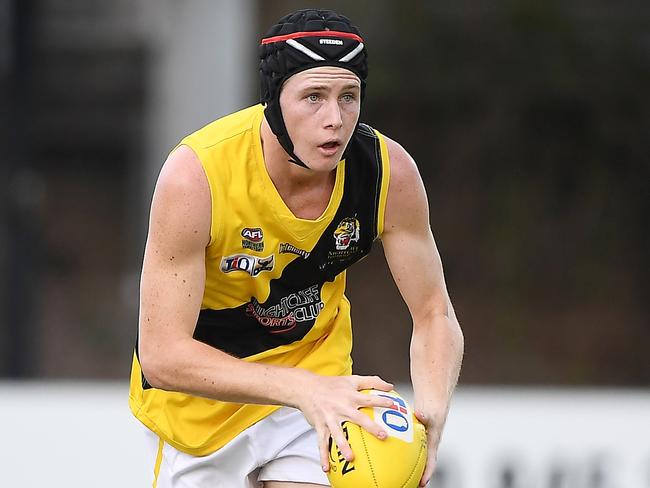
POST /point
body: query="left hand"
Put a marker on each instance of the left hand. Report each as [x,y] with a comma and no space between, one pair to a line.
[433,438]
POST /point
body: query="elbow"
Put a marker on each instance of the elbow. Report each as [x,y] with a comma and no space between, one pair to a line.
[457,337]
[154,369]
[440,321]
[460,340]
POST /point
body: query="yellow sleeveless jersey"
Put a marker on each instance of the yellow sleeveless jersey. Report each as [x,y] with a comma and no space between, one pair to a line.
[274,290]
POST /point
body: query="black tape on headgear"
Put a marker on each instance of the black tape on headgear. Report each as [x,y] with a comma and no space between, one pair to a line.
[299,41]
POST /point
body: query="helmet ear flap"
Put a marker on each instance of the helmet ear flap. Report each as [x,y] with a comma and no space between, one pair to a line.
[273,115]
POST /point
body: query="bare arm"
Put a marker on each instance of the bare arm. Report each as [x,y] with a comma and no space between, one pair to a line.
[173,277]
[411,253]
[171,291]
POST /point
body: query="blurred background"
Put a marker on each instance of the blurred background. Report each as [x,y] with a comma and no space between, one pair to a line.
[529,121]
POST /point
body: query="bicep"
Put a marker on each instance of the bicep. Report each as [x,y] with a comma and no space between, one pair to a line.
[408,242]
[173,272]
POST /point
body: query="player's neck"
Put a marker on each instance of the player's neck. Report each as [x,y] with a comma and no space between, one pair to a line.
[304,191]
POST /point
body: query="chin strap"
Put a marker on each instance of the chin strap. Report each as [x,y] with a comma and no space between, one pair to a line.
[276,122]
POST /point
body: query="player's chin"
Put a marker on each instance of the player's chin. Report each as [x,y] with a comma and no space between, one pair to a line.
[322,163]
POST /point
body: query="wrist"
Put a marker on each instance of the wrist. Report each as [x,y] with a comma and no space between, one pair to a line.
[433,407]
[298,387]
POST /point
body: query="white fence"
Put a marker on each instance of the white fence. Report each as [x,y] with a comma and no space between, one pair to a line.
[531,438]
[82,434]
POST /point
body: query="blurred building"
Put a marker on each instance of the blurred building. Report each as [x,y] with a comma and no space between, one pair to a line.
[97,94]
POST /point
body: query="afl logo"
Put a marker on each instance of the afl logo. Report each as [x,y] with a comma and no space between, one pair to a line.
[346,232]
[253,234]
[253,239]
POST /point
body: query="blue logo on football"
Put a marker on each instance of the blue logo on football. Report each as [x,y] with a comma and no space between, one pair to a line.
[395,416]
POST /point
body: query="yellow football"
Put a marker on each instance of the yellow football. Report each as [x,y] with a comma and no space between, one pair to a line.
[395,462]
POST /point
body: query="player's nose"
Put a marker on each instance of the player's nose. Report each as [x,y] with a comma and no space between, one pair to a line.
[332,117]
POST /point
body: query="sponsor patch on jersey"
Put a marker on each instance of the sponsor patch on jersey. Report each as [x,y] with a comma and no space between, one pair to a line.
[252,238]
[302,306]
[252,265]
[286,248]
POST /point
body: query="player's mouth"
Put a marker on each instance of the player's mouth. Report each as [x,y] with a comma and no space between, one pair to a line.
[330,147]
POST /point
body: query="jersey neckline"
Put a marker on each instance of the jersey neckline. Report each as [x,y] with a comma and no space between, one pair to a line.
[300,228]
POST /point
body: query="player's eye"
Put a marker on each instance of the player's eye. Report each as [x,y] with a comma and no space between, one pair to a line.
[313,97]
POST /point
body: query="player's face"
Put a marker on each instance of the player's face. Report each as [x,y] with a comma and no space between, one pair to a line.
[321,107]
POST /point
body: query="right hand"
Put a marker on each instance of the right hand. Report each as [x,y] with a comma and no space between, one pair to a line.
[328,401]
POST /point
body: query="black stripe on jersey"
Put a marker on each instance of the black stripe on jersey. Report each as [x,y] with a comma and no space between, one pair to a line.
[145,383]
[368,132]
[295,297]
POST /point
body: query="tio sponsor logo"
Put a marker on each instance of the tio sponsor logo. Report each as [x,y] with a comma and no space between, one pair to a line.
[250,264]
[397,417]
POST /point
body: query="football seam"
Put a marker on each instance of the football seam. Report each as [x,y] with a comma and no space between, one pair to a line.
[365,448]
[408,480]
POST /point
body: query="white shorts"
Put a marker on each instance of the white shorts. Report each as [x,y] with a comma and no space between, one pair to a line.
[280,447]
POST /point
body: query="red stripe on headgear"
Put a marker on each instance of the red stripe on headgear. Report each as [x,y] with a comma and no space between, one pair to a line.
[297,35]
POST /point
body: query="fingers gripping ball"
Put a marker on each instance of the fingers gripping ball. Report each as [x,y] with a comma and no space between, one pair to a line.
[396,462]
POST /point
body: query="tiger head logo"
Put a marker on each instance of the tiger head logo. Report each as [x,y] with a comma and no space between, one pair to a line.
[346,232]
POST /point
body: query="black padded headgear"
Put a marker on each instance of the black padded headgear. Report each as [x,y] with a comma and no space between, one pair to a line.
[299,41]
